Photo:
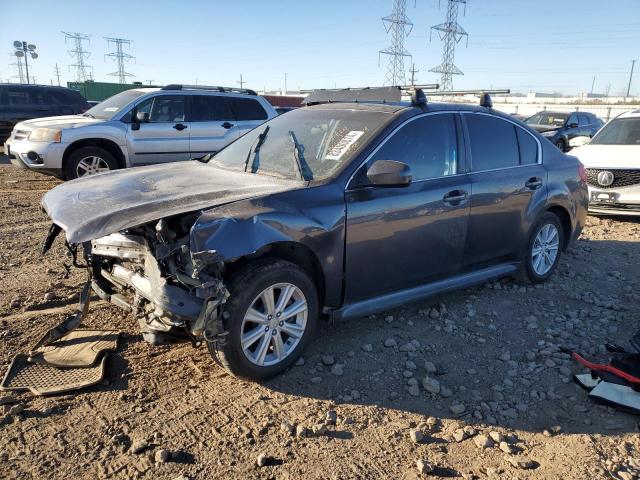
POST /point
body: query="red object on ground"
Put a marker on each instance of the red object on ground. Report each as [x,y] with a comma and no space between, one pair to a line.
[605,368]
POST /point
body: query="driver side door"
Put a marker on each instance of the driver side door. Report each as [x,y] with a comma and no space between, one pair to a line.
[165,137]
[401,237]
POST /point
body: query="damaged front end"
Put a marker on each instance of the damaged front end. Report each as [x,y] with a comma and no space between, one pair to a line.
[149,271]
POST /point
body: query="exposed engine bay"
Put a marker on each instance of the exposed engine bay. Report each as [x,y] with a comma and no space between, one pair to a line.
[149,271]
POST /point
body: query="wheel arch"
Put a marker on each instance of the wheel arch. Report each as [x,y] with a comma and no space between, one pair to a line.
[291,251]
[565,220]
[108,145]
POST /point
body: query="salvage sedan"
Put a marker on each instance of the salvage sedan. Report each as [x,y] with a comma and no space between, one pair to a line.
[336,209]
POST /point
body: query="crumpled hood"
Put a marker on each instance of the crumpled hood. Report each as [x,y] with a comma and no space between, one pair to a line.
[608,156]
[63,121]
[543,128]
[91,207]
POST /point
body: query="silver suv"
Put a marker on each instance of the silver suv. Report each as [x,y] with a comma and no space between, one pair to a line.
[138,127]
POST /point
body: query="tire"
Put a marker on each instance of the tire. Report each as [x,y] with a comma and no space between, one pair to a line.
[246,289]
[561,144]
[92,160]
[539,271]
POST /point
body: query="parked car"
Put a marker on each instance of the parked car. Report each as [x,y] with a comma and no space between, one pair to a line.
[23,102]
[138,127]
[612,159]
[339,208]
[559,128]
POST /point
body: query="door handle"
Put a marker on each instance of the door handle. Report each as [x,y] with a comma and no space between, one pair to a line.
[533,183]
[227,125]
[454,197]
[179,126]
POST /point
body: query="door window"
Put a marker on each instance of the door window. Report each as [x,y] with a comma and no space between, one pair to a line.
[247,109]
[210,108]
[528,147]
[428,145]
[24,96]
[583,120]
[573,118]
[163,108]
[493,142]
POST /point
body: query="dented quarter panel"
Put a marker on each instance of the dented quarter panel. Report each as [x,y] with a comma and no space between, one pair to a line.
[313,217]
[91,207]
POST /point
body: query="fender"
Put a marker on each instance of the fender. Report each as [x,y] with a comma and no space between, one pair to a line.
[239,229]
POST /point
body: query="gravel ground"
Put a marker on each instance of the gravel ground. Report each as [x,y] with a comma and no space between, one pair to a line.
[471,384]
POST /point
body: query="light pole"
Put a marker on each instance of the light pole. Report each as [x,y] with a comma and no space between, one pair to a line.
[23,49]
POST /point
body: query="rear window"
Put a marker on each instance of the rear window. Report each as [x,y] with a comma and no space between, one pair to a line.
[247,109]
[493,142]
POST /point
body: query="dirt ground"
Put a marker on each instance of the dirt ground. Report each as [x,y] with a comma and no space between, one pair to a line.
[490,356]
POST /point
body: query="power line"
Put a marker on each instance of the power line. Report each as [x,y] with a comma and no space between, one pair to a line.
[399,26]
[120,56]
[450,33]
[83,70]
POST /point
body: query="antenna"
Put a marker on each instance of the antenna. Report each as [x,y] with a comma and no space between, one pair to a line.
[120,57]
[450,33]
[83,71]
[399,26]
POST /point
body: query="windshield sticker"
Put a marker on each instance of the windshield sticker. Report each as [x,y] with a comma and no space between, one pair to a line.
[343,145]
[111,109]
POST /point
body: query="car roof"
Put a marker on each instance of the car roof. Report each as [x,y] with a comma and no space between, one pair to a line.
[405,107]
[630,114]
[32,85]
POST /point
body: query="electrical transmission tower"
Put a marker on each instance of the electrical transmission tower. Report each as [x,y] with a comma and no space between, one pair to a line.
[120,57]
[18,66]
[57,71]
[399,26]
[83,71]
[450,33]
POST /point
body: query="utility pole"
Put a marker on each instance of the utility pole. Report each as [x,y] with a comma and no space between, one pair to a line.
[57,70]
[120,56]
[450,33]
[413,74]
[633,64]
[593,83]
[241,82]
[82,69]
[399,27]
[285,83]
[150,82]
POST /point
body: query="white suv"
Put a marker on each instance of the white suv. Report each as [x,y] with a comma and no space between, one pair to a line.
[138,127]
[612,160]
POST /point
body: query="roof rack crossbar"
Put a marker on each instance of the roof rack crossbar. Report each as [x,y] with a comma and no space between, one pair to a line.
[177,86]
[471,92]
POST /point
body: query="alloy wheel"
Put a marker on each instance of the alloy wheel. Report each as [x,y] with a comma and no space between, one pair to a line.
[91,166]
[274,324]
[545,249]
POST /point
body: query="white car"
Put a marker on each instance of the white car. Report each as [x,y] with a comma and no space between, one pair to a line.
[136,127]
[612,161]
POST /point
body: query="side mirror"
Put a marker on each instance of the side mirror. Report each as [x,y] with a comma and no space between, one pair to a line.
[389,173]
[579,141]
[142,117]
[573,125]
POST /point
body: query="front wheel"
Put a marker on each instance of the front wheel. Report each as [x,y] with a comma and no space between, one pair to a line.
[89,161]
[542,254]
[270,316]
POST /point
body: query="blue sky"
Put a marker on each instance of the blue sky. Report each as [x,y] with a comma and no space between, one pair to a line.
[541,45]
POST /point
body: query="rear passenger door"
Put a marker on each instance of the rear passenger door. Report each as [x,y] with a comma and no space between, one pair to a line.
[212,122]
[248,113]
[507,183]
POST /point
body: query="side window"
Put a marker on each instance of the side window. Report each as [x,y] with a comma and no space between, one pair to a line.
[18,97]
[583,120]
[528,147]
[428,145]
[164,108]
[493,142]
[209,108]
[573,118]
[247,109]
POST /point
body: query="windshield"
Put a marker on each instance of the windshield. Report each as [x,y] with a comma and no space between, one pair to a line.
[112,105]
[309,144]
[621,131]
[550,119]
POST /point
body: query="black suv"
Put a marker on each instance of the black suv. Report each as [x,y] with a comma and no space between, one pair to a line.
[559,128]
[340,208]
[24,102]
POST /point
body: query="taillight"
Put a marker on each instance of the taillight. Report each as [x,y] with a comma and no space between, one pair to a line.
[583,173]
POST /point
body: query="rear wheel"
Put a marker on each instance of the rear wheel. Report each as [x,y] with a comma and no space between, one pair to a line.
[562,146]
[89,161]
[270,317]
[543,250]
